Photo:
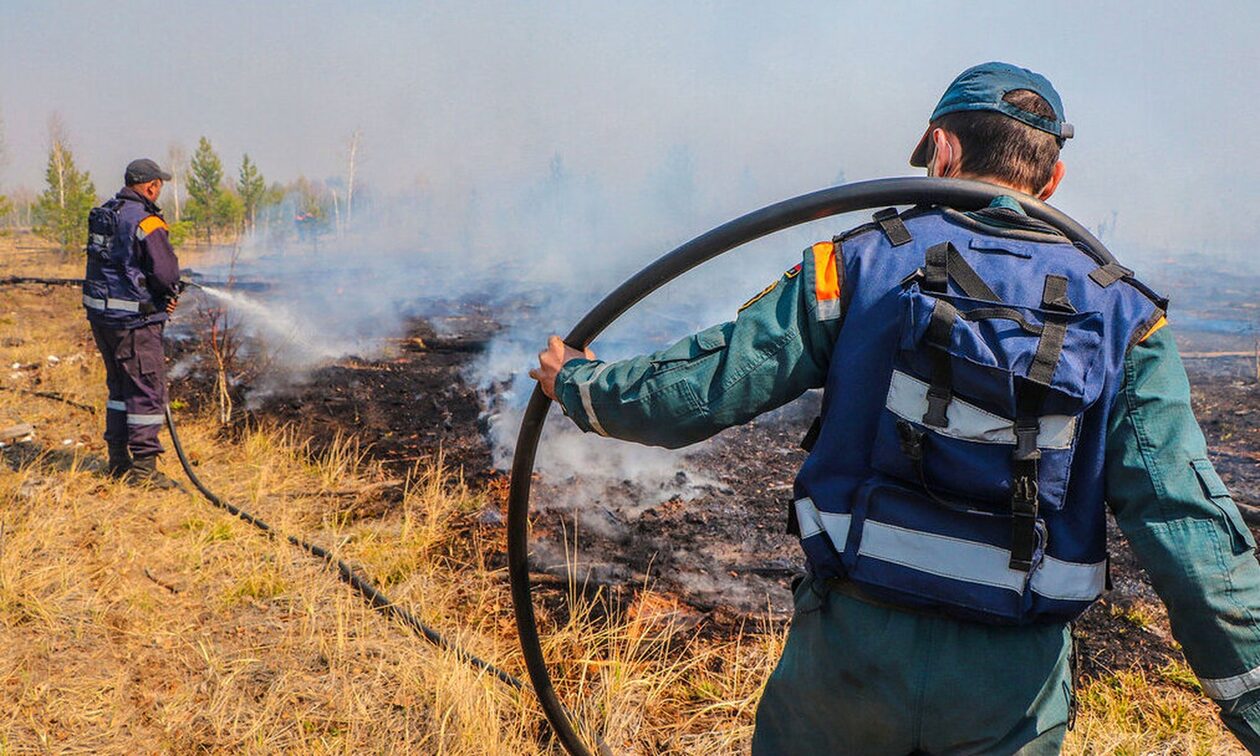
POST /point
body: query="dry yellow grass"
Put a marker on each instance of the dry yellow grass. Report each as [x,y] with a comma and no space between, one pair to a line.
[145,621]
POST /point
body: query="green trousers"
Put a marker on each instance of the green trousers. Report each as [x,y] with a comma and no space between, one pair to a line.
[861,678]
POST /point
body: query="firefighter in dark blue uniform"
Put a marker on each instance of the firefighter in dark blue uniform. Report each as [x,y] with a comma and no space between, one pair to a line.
[129,291]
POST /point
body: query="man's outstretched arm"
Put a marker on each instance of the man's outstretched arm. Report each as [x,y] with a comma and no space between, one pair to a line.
[1187,531]
[778,347]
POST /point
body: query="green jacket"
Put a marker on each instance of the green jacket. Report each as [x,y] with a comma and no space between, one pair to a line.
[1167,499]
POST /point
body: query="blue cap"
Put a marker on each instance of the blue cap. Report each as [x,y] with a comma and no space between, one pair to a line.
[982,87]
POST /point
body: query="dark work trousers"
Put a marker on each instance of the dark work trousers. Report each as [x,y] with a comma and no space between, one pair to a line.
[135,372]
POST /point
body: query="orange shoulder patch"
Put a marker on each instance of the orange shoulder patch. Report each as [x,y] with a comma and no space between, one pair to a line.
[151,224]
[826,281]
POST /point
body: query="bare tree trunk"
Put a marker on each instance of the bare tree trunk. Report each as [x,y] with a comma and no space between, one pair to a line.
[175,156]
[175,190]
[60,163]
[354,152]
[58,158]
[336,213]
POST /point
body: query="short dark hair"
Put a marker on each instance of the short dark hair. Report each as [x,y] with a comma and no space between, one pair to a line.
[1000,147]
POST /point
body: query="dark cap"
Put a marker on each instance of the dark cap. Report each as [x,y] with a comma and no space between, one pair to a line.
[982,87]
[142,171]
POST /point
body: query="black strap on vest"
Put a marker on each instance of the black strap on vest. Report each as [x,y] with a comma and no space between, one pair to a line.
[811,435]
[890,223]
[941,390]
[793,524]
[807,443]
[1054,295]
[1003,313]
[1030,397]
[1106,275]
[943,263]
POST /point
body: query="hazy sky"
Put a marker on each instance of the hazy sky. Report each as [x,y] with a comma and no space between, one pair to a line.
[771,101]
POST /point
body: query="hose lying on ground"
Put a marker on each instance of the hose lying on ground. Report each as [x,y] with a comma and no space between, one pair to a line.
[345,572]
[14,280]
[956,193]
[51,395]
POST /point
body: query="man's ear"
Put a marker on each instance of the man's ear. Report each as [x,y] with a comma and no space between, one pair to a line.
[942,154]
[1056,176]
[946,154]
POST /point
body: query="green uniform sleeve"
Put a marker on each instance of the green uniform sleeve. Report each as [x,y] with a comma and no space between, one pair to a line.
[776,349]
[1186,531]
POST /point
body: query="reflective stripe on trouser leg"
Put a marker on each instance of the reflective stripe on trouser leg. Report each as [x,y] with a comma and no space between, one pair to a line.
[116,422]
[135,419]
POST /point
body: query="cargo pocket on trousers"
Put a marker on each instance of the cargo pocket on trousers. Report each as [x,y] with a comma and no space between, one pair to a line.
[1218,494]
[126,349]
[150,365]
[125,357]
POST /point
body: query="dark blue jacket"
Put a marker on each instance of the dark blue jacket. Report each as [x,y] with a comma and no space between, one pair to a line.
[132,271]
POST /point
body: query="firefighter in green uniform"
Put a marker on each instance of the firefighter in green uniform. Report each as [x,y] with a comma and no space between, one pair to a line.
[931,621]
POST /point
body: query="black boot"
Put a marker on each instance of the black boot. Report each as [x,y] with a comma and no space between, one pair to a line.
[119,460]
[144,473]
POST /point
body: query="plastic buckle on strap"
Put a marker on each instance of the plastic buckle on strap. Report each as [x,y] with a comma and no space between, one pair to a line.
[1024,498]
[910,439]
[1026,450]
[938,401]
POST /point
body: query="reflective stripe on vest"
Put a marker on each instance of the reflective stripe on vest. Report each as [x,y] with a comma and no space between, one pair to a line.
[126,305]
[907,398]
[956,558]
[813,522]
[114,405]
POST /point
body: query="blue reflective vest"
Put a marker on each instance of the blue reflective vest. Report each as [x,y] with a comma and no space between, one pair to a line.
[959,462]
[115,292]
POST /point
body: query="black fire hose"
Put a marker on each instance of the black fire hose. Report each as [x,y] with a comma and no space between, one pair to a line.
[955,193]
[345,572]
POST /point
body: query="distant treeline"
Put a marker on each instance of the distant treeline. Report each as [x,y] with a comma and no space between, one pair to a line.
[200,202]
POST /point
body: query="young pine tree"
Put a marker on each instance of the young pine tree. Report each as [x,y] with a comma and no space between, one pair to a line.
[205,184]
[252,187]
[61,211]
